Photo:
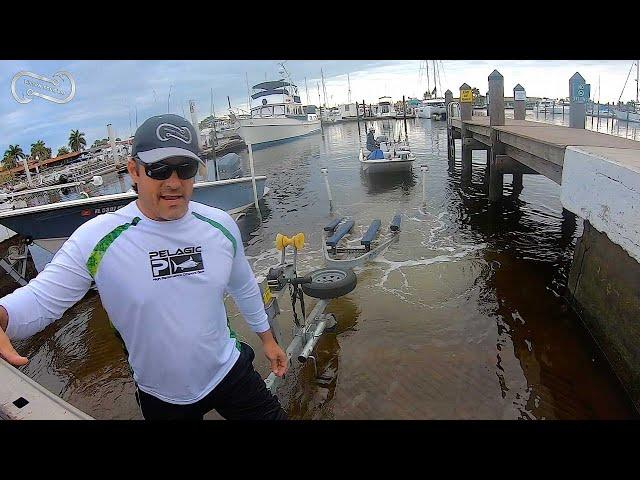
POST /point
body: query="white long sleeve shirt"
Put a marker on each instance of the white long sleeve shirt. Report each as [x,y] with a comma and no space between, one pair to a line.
[162,284]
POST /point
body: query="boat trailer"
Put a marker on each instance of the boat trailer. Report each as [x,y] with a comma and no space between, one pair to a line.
[324,284]
[349,257]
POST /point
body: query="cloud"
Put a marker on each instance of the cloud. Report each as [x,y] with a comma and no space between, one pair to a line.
[113,92]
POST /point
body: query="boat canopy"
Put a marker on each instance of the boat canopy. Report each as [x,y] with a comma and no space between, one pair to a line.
[272,85]
[269,92]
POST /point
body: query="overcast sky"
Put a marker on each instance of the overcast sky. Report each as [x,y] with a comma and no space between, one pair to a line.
[111,91]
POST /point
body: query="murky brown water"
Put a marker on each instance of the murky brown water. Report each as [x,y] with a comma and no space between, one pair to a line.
[463,318]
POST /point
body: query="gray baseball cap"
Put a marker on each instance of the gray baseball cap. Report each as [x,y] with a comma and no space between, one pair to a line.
[165,136]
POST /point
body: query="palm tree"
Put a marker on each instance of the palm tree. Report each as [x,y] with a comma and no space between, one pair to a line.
[12,155]
[40,150]
[77,141]
[63,151]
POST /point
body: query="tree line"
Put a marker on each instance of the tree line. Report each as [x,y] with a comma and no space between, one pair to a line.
[77,143]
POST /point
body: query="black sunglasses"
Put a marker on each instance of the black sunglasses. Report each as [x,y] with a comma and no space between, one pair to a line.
[162,171]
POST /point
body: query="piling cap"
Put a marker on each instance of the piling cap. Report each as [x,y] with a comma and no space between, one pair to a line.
[577,76]
[448,92]
[495,74]
[464,86]
[518,88]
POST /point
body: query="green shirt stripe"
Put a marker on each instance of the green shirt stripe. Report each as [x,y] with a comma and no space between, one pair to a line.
[101,248]
[219,227]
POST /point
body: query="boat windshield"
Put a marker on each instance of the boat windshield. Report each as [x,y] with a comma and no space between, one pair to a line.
[277,110]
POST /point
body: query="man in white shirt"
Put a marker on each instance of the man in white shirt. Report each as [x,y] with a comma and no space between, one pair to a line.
[162,265]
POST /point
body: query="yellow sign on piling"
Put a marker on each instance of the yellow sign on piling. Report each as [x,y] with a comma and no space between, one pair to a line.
[466,96]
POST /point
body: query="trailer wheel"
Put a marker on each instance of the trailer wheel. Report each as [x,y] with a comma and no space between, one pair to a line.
[330,283]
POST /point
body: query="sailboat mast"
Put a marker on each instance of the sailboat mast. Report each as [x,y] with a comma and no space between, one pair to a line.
[306,89]
[349,92]
[428,83]
[246,77]
[324,90]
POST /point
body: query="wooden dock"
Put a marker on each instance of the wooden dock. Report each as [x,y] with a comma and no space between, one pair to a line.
[538,146]
[518,146]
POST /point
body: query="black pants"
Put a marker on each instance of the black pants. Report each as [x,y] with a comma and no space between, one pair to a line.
[241,395]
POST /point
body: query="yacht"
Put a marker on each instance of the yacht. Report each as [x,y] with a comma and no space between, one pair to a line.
[385,108]
[276,115]
[551,106]
[430,107]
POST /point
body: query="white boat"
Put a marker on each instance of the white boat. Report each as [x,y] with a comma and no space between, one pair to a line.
[276,115]
[551,107]
[348,111]
[49,225]
[599,111]
[626,115]
[397,157]
[385,108]
[431,107]
[629,112]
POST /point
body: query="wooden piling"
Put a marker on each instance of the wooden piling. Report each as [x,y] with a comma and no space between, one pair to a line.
[496,107]
[519,100]
[466,110]
[451,142]
[577,111]
[404,110]
[496,98]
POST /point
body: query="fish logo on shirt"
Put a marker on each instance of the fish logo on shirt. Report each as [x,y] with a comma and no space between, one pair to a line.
[176,263]
[186,264]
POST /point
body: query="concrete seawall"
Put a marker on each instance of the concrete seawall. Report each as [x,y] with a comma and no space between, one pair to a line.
[602,186]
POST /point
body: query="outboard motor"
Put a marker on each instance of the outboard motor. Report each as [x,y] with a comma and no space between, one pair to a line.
[229,166]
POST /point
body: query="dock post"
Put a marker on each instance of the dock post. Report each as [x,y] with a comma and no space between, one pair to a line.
[466,107]
[424,168]
[626,128]
[496,107]
[358,120]
[451,142]
[577,111]
[519,100]
[404,110]
[325,174]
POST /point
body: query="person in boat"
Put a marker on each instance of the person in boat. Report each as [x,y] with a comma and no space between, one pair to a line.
[162,264]
[371,141]
[374,147]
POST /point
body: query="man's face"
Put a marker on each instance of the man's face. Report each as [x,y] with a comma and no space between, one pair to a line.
[161,199]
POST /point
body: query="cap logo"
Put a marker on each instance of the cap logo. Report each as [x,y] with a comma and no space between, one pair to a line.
[165,131]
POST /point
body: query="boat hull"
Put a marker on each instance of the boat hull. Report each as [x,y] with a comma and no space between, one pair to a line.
[50,225]
[429,111]
[626,116]
[263,131]
[386,165]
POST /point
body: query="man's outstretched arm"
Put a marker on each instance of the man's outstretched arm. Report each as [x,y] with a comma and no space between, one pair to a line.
[29,309]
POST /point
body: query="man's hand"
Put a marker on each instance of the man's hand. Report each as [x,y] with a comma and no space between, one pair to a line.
[274,353]
[6,349]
